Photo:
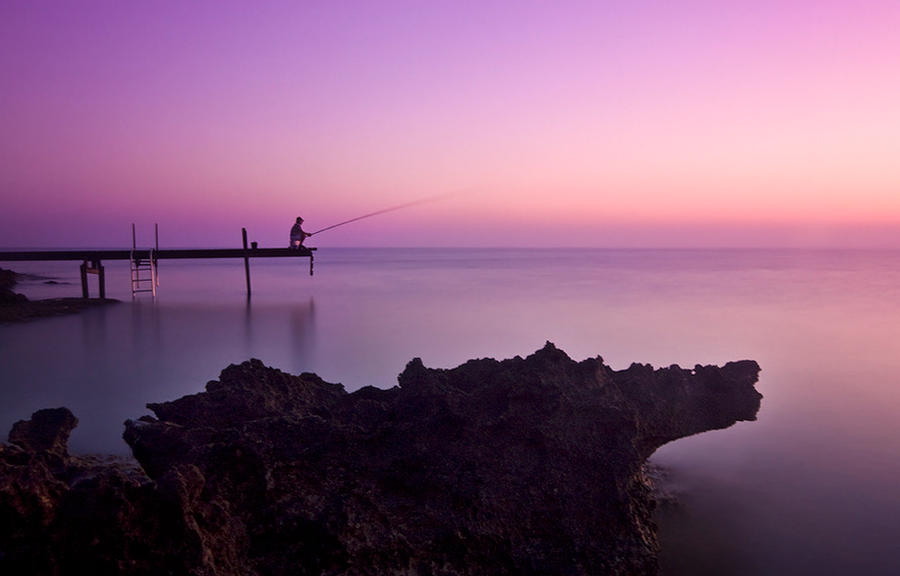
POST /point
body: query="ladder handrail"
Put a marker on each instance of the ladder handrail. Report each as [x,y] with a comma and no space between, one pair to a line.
[151,263]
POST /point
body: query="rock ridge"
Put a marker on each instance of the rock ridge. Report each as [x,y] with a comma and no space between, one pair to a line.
[521,466]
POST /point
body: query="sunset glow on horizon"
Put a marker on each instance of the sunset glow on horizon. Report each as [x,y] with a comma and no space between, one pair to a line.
[620,124]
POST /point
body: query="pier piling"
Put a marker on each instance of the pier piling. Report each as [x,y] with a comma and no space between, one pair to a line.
[246,260]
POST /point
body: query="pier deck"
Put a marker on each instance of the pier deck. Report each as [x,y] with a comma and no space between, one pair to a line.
[162,254]
[92,259]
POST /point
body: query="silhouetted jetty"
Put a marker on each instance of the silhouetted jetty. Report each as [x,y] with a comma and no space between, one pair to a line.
[144,260]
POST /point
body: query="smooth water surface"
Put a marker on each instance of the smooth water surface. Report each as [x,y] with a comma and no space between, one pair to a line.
[809,488]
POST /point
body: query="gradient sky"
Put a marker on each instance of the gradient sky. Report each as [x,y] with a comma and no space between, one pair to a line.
[677,123]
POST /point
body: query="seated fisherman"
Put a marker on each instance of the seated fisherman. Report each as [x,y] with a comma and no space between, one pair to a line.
[298,235]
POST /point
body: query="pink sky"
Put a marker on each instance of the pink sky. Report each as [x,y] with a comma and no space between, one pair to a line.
[553,123]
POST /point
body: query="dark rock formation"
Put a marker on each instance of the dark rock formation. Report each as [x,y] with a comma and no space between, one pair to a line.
[525,466]
[7,279]
[18,308]
[61,514]
[47,433]
[7,296]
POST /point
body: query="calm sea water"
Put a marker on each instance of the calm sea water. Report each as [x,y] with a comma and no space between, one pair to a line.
[809,488]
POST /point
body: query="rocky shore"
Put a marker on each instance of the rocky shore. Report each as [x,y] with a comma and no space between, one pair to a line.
[522,466]
[16,307]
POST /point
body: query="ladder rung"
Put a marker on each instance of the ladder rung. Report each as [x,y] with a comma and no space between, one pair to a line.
[143,260]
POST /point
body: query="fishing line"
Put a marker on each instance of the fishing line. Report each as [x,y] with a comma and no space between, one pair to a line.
[391,209]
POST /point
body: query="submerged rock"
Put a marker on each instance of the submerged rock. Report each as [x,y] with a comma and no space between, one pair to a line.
[16,307]
[7,279]
[525,466]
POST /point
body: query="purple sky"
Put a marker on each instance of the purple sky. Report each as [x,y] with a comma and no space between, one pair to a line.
[551,123]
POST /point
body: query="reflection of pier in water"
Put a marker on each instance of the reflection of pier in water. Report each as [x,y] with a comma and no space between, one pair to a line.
[280,334]
[301,337]
[107,363]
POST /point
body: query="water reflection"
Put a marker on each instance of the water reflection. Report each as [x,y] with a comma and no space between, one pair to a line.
[303,335]
[108,363]
[809,488]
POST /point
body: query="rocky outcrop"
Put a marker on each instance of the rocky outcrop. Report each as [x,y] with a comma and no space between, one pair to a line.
[7,279]
[7,296]
[521,466]
[16,307]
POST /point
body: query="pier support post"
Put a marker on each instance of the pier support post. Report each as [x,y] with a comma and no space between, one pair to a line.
[93,267]
[246,260]
[84,285]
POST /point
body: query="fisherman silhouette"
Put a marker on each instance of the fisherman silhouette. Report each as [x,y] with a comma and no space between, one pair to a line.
[298,235]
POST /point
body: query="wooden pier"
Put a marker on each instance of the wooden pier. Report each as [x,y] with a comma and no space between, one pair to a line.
[92,260]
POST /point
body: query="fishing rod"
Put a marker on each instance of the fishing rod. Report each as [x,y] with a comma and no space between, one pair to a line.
[376,213]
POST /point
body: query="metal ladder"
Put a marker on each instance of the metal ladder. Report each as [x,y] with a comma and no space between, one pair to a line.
[140,267]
